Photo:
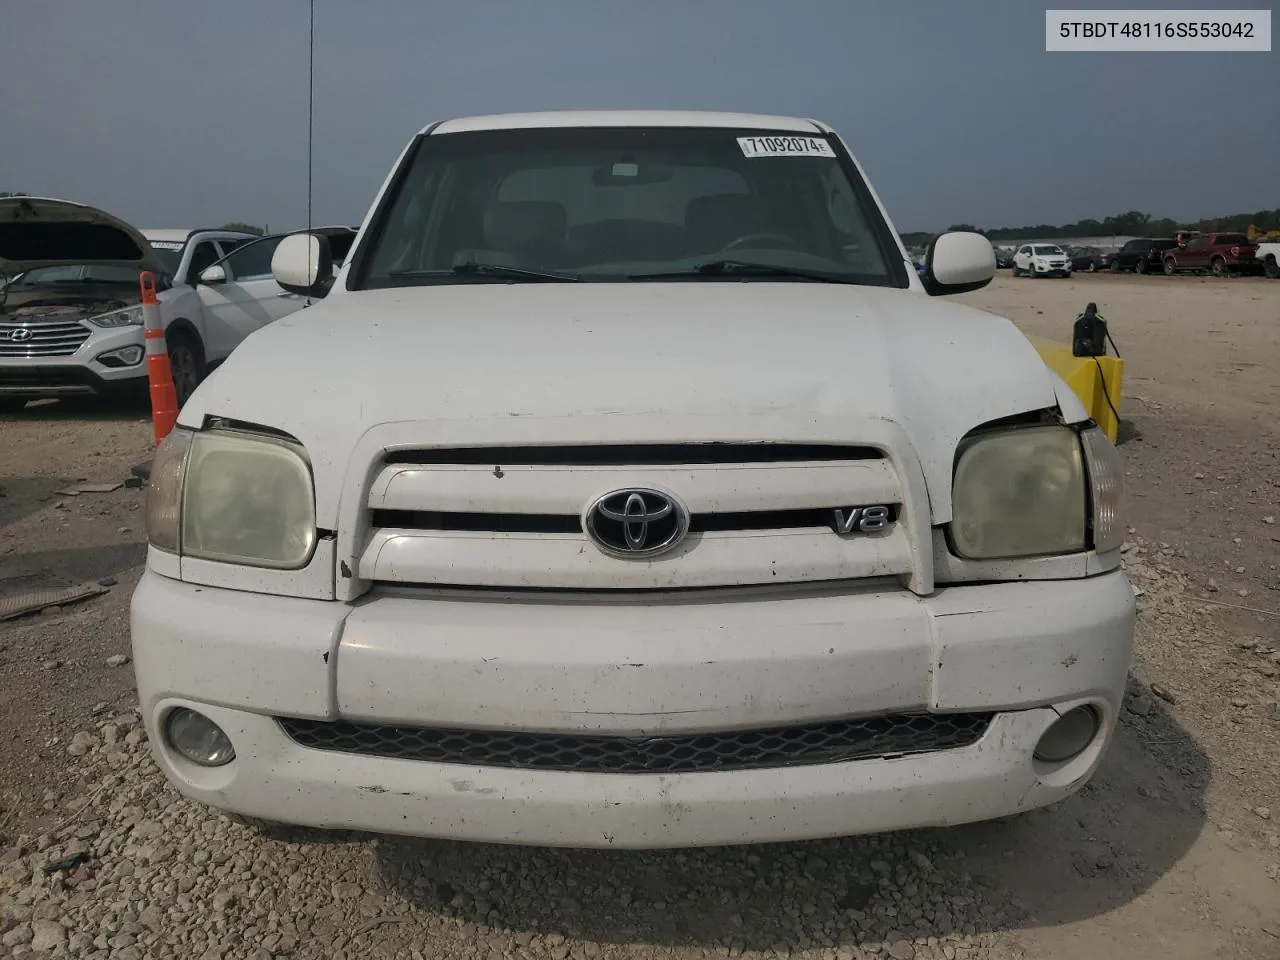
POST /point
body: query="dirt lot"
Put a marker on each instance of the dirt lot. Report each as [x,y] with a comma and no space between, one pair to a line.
[1172,852]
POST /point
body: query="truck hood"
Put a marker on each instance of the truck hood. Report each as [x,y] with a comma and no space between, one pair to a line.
[625,362]
[43,232]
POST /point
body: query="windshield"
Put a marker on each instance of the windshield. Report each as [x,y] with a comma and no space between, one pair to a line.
[169,253]
[1048,251]
[626,203]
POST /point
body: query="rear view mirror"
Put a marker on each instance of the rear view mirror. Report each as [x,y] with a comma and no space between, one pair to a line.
[303,263]
[957,263]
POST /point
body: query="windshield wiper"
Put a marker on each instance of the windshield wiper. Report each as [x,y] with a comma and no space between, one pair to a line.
[473,269]
[739,268]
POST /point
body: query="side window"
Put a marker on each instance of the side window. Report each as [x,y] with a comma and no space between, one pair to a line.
[1197,243]
[252,261]
[204,255]
[1024,250]
[231,243]
[340,246]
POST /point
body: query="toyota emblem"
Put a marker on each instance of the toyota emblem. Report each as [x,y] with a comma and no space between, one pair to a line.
[636,523]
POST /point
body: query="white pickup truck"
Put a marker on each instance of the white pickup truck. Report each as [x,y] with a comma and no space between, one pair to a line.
[70,324]
[631,489]
[1268,254]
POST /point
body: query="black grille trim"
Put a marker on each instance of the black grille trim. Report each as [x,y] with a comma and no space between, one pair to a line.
[836,741]
[563,523]
[636,454]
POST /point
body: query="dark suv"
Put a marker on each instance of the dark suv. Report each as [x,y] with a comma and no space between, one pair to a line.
[1142,254]
[1222,254]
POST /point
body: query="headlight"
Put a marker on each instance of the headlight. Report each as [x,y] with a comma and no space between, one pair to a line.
[233,497]
[1019,492]
[164,491]
[1106,489]
[131,317]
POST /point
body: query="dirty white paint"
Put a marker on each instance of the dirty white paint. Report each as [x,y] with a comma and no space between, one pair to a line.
[275,779]
[899,625]
[751,361]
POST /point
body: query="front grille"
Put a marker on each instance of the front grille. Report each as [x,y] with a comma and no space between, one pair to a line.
[635,454]
[46,339]
[552,523]
[831,742]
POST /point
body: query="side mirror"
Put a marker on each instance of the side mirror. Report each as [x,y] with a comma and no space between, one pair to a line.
[957,263]
[213,274]
[303,264]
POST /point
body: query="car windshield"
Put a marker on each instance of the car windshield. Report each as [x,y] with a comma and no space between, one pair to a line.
[1048,251]
[627,203]
[169,253]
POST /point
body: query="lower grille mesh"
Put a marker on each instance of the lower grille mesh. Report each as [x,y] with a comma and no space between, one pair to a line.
[832,742]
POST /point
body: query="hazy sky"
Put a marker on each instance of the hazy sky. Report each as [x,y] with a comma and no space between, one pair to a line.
[192,114]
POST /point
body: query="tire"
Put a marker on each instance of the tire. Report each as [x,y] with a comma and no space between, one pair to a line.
[1140,266]
[1015,272]
[1093,266]
[186,360]
[1218,267]
[1170,266]
[1115,266]
[1272,268]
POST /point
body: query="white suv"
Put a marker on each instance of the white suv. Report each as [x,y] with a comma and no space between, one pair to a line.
[1041,260]
[70,324]
[631,489]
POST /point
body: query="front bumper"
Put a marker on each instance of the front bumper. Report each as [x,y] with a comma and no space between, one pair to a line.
[1026,652]
[1050,270]
[79,374]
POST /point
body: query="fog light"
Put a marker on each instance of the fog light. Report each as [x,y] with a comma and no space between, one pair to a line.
[123,357]
[1068,735]
[198,738]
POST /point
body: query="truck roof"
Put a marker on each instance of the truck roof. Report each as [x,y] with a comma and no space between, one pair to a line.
[626,118]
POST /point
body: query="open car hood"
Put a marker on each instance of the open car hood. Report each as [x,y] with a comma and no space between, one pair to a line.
[42,232]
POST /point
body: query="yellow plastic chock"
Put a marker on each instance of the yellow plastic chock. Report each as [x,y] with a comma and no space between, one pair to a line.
[1095,380]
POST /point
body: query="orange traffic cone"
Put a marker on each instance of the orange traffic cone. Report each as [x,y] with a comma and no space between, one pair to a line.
[164,398]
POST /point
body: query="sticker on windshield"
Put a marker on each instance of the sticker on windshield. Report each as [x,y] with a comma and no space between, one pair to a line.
[166,245]
[785,147]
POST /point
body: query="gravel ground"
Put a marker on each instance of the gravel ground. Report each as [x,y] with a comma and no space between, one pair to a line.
[1171,852]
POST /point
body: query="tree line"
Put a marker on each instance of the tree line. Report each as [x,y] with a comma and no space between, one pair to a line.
[1134,223]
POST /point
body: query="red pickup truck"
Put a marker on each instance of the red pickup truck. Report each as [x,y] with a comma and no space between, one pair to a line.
[1219,253]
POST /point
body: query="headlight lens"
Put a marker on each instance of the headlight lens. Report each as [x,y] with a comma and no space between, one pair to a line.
[131,317]
[1106,488]
[1019,492]
[233,497]
[248,499]
[164,490]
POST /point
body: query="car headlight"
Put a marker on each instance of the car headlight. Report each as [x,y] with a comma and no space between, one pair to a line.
[130,317]
[1019,492]
[234,497]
